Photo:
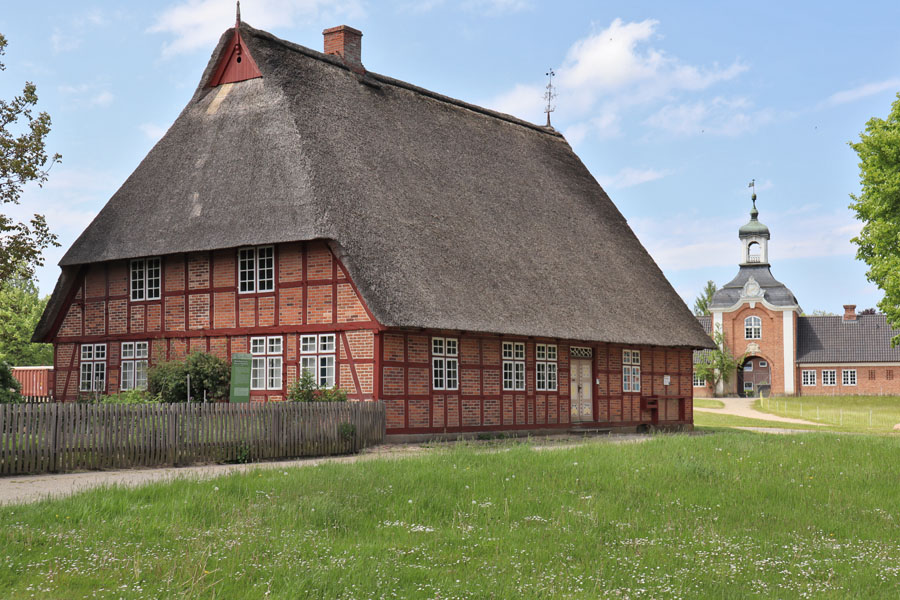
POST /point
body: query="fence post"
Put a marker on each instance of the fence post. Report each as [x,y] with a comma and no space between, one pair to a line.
[54,414]
[173,451]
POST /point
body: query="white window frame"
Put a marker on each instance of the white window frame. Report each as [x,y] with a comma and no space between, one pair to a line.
[318,356]
[444,363]
[752,328]
[748,386]
[133,365]
[829,375]
[848,377]
[808,376]
[93,357]
[546,368]
[699,381]
[631,371]
[748,367]
[147,272]
[763,364]
[267,363]
[256,269]
[513,366]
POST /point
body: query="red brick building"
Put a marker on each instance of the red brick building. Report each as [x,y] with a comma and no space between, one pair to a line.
[459,264]
[786,352]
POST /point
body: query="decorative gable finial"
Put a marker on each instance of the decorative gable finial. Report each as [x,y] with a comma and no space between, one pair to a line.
[237,20]
[549,95]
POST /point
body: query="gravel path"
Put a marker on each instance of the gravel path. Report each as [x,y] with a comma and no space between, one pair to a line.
[743,407]
[33,488]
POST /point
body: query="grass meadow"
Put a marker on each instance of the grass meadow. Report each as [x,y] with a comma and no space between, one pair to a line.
[863,414]
[728,514]
[708,403]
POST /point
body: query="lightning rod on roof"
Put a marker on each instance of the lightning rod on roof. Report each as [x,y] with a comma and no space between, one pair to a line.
[237,19]
[549,95]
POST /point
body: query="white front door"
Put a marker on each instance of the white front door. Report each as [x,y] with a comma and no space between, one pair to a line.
[581,388]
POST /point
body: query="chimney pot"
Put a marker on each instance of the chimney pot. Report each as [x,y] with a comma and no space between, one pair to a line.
[849,312]
[345,42]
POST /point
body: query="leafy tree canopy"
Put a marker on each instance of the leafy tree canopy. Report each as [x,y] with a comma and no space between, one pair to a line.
[23,159]
[701,305]
[878,207]
[20,310]
[9,386]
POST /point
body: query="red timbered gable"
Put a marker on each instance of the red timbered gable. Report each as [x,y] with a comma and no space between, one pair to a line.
[201,306]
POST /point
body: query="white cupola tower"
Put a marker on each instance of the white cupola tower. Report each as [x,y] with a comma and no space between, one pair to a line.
[754,238]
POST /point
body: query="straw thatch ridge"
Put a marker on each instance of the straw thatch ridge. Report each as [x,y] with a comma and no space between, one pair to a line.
[445,214]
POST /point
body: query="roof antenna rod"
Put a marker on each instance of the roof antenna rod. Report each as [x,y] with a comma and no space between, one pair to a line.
[752,185]
[549,95]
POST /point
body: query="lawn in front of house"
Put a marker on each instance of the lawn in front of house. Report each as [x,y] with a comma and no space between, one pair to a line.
[728,514]
[865,414]
[708,403]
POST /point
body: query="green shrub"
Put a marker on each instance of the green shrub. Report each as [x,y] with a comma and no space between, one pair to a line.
[128,397]
[168,381]
[307,390]
[9,386]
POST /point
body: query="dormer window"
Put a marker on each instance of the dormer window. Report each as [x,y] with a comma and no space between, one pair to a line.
[752,328]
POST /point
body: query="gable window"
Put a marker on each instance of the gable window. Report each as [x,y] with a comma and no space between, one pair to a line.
[699,381]
[146,278]
[546,367]
[809,377]
[631,370]
[134,365]
[256,269]
[829,377]
[513,366]
[93,368]
[752,328]
[266,363]
[317,357]
[848,377]
[444,363]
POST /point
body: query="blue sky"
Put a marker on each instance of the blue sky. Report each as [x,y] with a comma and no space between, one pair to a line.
[673,106]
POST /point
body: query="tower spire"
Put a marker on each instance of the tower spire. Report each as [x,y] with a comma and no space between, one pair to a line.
[753,212]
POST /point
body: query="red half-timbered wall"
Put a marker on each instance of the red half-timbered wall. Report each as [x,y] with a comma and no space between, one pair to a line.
[480,403]
[202,310]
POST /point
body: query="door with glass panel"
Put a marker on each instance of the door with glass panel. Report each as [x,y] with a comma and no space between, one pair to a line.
[581,389]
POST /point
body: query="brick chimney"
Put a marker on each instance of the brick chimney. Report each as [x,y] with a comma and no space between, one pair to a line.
[345,42]
[849,312]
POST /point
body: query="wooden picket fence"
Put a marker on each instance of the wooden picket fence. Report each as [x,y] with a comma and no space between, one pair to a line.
[55,437]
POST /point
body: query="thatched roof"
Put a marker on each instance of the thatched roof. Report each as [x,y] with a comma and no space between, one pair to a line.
[446,215]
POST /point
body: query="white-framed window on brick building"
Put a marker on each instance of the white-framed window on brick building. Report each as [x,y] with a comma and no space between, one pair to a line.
[848,377]
[752,328]
[546,367]
[444,363]
[699,381]
[829,377]
[317,357]
[631,370]
[146,279]
[93,368]
[256,269]
[266,364]
[513,366]
[134,365]
[808,377]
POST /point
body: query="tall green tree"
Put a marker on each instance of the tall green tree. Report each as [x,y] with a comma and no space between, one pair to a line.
[878,207]
[717,365]
[701,304]
[23,159]
[20,310]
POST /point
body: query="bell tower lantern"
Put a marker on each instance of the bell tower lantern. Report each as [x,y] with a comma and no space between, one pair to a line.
[754,238]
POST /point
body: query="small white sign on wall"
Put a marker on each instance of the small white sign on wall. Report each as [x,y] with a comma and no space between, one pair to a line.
[667,379]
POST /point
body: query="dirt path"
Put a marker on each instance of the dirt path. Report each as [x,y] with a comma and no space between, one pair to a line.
[743,407]
[33,488]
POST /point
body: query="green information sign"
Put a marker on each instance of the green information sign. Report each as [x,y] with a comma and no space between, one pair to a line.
[240,378]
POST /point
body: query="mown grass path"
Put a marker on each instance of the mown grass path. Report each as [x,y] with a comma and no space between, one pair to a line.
[726,515]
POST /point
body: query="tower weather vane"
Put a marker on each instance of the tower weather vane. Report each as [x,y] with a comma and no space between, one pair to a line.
[752,185]
[549,95]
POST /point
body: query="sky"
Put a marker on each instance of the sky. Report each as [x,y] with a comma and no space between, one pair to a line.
[673,106]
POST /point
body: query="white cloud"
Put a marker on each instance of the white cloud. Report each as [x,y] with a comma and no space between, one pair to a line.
[629,177]
[491,8]
[199,23]
[611,72]
[718,116]
[153,131]
[87,95]
[863,91]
